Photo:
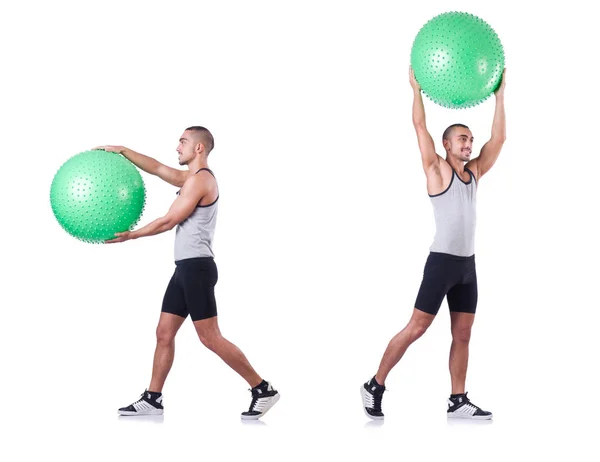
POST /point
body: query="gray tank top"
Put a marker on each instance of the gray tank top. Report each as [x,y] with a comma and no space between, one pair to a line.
[454,211]
[194,235]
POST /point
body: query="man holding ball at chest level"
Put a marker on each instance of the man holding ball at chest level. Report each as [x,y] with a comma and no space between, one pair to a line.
[191,289]
[450,267]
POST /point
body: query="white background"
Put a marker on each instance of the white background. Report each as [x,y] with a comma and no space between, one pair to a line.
[322,235]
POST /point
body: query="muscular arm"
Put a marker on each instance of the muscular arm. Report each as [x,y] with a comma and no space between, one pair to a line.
[150,165]
[154,167]
[491,150]
[426,145]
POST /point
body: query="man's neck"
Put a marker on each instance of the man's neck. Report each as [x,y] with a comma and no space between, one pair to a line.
[457,164]
[197,164]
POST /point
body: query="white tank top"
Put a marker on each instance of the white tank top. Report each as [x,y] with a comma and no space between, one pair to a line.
[455,217]
[194,235]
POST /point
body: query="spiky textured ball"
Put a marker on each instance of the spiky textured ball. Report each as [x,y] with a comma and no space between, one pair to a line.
[95,194]
[457,59]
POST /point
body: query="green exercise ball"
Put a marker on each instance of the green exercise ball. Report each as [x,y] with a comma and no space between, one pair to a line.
[457,59]
[96,194]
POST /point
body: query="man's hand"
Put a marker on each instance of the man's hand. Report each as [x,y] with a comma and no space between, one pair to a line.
[413,81]
[500,90]
[117,149]
[121,237]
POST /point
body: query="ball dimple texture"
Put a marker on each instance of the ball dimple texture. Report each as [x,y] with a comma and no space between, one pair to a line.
[95,194]
[457,59]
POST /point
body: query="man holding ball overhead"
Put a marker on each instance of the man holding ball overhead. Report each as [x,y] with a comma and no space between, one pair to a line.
[191,289]
[450,267]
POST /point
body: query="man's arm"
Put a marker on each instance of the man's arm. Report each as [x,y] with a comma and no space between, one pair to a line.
[187,200]
[426,145]
[491,150]
[150,165]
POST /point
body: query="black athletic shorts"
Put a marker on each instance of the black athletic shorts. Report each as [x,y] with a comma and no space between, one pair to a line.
[192,289]
[449,275]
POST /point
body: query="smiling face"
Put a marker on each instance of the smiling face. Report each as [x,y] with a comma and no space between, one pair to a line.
[459,143]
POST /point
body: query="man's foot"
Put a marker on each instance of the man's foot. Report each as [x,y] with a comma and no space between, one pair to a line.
[150,403]
[461,407]
[372,394]
[264,396]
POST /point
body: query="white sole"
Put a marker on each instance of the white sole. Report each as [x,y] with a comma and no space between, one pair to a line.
[469,417]
[147,412]
[362,395]
[269,406]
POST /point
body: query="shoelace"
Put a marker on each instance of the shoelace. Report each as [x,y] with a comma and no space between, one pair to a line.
[469,403]
[253,402]
[142,397]
[374,399]
[256,405]
[377,399]
[139,400]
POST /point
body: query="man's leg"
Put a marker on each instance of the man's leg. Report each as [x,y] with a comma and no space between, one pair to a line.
[372,391]
[199,279]
[168,325]
[173,314]
[434,287]
[461,324]
[264,396]
[437,273]
[211,338]
[416,327]
[462,301]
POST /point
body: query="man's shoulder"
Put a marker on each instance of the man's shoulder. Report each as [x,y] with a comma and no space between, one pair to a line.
[473,167]
[200,180]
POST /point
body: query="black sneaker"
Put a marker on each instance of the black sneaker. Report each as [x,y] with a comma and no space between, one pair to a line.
[150,403]
[264,396]
[372,394]
[461,407]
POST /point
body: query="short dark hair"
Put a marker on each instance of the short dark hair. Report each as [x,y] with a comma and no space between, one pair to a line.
[448,131]
[207,138]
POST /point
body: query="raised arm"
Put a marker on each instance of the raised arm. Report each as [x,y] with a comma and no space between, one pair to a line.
[426,145]
[150,165]
[491,150]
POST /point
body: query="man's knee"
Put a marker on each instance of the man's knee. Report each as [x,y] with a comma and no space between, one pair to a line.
[165,336]
[418,325]
[209,338]
[461,334]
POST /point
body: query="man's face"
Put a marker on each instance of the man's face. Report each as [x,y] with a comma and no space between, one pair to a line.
[186,148]
[461,143]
